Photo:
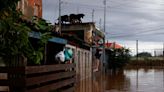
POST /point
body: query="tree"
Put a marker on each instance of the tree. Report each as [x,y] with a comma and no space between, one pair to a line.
[14,35]
[118,58]
[144,54]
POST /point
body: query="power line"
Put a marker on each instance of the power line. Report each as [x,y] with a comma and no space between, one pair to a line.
[139,33]
[133,24]
[139,10]
[118,8]
[139,30]
[125,3]
[99,7]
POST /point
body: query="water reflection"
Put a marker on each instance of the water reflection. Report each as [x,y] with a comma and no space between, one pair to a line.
[138,80]
[98,82]
[117,81]
[131,80]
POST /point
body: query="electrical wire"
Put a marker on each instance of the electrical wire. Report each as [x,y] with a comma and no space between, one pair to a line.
[120,6]
[151,29]
[126,5]
[139,33]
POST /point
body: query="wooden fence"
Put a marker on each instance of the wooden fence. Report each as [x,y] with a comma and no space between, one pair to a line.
[44,78]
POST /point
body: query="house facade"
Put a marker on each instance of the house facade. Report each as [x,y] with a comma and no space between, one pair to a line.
[30,8]
[87,36]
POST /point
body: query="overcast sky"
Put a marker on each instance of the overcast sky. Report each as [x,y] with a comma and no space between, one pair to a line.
[126,20]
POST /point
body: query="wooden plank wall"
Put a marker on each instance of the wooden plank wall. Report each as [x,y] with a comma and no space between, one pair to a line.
[45,78]
[84,70]
[83,60]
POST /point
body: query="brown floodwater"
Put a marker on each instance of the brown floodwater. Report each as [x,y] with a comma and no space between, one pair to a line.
[137,80]
[132,80]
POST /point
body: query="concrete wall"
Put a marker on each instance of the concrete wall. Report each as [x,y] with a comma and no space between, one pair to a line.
[85,28]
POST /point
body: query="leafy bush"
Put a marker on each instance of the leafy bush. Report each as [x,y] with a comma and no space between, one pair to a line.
[14,34]
[118,58]
[144,54]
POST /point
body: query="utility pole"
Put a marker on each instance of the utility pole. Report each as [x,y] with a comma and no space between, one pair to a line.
[103,68]
[59,16]
[104,28]
[100,24]
[93,11]
[137,49]
[155,53]
[104,34]
[104,15]
[163,51]
[137,65]
[114,45]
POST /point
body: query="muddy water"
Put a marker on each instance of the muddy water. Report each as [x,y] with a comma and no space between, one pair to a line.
[141,80]
[134,80]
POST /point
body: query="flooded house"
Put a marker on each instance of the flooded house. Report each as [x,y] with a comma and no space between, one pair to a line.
[49,74]
[85,39]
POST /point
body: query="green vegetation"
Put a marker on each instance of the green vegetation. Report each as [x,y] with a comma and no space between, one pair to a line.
[145,59]
[144,54]
[14,38]
[118,58]
[147,63]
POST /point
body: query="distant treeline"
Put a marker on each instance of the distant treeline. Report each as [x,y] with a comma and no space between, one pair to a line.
[145,62]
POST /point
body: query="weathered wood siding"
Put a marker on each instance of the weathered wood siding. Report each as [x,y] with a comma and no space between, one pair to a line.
[83,61]
[43,78]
